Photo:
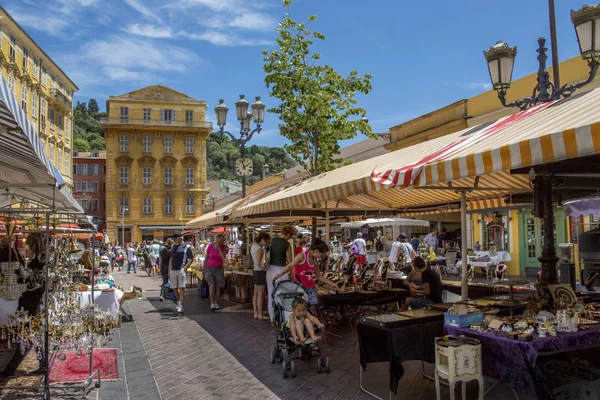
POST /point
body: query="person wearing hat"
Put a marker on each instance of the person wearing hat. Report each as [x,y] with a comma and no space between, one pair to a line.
[181,258]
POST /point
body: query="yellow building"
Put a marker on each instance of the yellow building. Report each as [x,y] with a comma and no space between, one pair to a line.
[43,89]
[514,230]
[155,162]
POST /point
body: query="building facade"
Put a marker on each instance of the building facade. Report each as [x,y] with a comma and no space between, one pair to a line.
[43,89]
[156,163]
[513,229]
[89,184]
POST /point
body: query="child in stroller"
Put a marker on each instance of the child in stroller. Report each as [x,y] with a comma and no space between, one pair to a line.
[290,329]
[301,319]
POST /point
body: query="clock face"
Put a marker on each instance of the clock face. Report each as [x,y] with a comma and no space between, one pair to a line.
[244,167]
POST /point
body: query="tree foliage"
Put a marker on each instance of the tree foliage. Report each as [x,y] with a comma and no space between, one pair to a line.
[221,154]
[317,105]
[87,134]
[93,107]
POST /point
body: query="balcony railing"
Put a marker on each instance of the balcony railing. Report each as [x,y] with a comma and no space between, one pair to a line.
[155,122]
[63,99]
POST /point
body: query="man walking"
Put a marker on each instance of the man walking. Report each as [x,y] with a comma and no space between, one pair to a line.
[163,260]
[131,259]
[181,258]
[359,249]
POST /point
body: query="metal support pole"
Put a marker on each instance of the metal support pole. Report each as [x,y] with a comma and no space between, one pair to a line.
[248,241]
[92,300]
[554,44]
[271,229]
[464,285]
[123,227]
[243,154]
[544,209]
[327,231]
[46,395]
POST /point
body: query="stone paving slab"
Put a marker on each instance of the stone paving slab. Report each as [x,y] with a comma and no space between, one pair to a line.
[187,362]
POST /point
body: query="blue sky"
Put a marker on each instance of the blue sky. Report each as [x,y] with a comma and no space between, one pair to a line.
[422,54]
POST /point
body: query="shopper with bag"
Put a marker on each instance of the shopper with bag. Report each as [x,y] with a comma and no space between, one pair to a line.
[259,273]
[216,256]
[281,254]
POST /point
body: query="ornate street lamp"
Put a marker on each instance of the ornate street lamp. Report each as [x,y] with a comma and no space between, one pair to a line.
[501,59]
[243,166]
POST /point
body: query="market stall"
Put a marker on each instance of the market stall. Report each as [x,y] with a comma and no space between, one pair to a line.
[35,196]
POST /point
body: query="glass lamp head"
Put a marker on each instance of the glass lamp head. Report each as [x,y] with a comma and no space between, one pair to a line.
[586,21]
[258,111]
[221,112]
[501,60]
[241,108]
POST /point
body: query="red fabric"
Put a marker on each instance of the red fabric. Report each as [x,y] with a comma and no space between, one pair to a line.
[361,259]
[298,250]
[306,272]
[213,257]
[77,369]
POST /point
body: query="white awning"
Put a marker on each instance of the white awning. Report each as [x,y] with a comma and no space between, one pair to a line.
[386,222]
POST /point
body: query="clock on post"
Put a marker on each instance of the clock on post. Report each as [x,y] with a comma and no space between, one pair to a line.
[244,167]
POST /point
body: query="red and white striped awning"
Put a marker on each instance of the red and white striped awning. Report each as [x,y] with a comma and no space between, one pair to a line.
[429,173]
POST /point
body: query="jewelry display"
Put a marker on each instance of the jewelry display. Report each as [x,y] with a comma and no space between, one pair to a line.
[10,288]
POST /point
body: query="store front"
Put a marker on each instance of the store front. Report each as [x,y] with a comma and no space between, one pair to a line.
[530,238]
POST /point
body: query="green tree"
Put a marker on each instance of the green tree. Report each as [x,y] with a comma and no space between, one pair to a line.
[93,106]
[317,105]
[81,144]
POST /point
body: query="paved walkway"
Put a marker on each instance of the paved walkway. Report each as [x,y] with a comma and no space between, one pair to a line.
[224,355]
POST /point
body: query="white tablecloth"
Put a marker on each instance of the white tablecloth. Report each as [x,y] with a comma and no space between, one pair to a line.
[108,300]
[502,256]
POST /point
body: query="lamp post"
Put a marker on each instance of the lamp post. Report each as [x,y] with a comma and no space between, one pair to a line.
[243,166]
[265,170]
[123,211]
[500,59]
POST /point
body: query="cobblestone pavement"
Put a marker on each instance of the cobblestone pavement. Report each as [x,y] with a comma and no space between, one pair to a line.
[224,355]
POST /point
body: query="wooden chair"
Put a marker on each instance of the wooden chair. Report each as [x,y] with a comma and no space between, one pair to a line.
[458,364]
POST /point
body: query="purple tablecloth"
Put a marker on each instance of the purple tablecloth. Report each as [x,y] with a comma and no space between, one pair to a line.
[514,362]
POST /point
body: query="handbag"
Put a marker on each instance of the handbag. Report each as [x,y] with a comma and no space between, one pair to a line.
[204,289]
[266,257]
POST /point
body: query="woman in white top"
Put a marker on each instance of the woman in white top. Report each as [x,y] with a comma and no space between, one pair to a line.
[395,251]
[259,273]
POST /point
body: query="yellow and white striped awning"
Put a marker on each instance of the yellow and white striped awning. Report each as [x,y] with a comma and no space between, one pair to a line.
[479,158]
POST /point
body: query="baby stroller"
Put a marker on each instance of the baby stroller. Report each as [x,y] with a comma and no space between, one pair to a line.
[284,293]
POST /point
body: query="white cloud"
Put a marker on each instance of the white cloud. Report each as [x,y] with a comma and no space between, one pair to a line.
[150,31]
[214,5]
[142,9]
[128,60]
[249,21]
[141,54]
[470,85]
[223,39]
[53,25]
[124,75]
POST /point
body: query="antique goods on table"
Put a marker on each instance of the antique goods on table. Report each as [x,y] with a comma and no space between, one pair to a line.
[460,315]
[514,361]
